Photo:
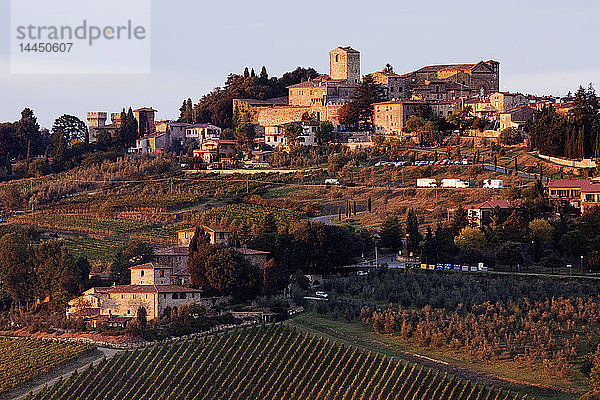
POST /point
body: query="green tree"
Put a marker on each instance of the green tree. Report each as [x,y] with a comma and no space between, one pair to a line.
[142,319]
[59,150]
[459,220]
[366,93]
[27,130]
[72,128]
[510,254]
[228,272]
[470,238]
[291,132]
[132,253]
[324,131]
[573,243]
[510,136]
[244,135]
[186,112]
[268,225]
[16,268]
[58,276]
[412,231]
[462,119]
[390,233]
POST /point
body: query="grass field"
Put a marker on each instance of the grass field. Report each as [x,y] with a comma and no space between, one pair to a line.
[263,363]
[500,374]
[24,359]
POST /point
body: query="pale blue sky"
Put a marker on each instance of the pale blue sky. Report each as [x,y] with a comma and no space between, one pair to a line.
[544,47]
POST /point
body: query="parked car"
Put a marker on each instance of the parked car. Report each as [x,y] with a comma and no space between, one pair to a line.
[322,294]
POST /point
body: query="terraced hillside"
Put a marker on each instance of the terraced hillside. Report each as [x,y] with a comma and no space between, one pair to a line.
[262,363]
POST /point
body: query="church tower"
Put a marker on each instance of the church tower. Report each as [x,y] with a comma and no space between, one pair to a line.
[344,64]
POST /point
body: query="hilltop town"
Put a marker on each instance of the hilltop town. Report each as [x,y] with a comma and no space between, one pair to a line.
[427,216]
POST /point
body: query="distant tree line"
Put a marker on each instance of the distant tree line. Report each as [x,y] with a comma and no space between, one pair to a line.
[573,135]
[40,273]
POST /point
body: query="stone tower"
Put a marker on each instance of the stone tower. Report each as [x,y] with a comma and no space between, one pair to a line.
[344,64]
[96,119]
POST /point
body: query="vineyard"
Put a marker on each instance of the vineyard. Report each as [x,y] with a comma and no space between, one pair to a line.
[94,249]
[253,214]
[262,363]
[24,359]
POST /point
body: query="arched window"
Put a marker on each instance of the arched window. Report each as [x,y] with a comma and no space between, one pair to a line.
[142,273]
[337,58]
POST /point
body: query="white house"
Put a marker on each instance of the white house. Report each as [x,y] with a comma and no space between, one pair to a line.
[202,132]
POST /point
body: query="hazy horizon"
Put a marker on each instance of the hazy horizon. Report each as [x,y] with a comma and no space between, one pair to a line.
[544,48]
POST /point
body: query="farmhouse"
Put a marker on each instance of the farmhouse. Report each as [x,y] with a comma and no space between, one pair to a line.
[176,257]
[152,288]
[480,214]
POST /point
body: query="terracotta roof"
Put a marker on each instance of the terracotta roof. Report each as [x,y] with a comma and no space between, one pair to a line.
[400,102]
[149,265]
[151,289]
[490,204]
[567,183]
[145,109]
[200,126]
[590,188]
[172,251]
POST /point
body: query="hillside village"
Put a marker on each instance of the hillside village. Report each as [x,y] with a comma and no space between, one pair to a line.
[428,214]
[446,89]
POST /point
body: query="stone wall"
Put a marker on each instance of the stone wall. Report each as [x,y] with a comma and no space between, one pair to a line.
[281,115]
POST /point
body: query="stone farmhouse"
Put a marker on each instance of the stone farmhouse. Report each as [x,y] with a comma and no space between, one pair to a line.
[176,257]
[153,287]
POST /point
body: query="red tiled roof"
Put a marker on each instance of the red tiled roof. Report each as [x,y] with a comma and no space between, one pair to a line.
[149,265]
[172,251]
[590,188]
[151,289]
[490,204]
[567,183]
[400,102]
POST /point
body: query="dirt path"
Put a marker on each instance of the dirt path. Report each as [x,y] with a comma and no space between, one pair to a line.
[53,376]
[539,391]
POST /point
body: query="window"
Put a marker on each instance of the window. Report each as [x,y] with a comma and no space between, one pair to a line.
[174,297]
[337,58]
[182,296]
[162,273]
[128,311]
[142,273]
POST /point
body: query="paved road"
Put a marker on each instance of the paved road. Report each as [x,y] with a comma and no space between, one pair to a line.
[326,219]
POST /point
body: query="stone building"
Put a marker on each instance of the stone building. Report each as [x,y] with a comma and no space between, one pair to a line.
[145,120]
[478,79]
[503,101]
[319,98]
[344,64]
[97,125]
[152,288]
[390,116]
[516,117]
[394,86]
